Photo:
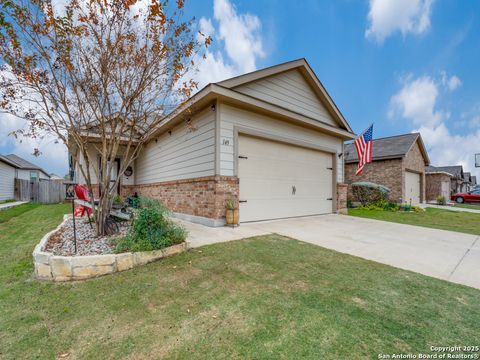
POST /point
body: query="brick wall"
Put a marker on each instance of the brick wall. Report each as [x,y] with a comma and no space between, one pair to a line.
[386,172]
[204,197]
[433,186]
[342,198]
[415,162]
[390,173]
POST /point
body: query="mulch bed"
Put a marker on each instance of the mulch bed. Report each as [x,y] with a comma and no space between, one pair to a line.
[62,243]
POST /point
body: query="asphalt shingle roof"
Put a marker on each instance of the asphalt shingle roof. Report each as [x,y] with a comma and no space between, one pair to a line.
[385,148]
[455,170]
[22,163]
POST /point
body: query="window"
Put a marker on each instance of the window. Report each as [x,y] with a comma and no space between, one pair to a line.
[33,175]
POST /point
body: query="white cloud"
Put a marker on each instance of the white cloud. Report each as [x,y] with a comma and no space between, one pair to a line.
[389,16]
[53,157]
[240,33]
[237,42]
[451,82]
[417,102]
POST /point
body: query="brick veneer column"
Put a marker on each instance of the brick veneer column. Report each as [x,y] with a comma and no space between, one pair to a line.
[342,198]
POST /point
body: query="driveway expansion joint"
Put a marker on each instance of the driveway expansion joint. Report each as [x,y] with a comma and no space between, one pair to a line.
[464,256]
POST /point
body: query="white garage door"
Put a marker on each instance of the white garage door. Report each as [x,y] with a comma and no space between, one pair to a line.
[412,187]
[7,175]
[278,180]
[446,189]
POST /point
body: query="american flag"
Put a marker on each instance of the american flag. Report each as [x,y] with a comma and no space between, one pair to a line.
[363,145]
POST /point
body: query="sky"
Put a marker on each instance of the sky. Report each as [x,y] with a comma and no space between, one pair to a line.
[404,65]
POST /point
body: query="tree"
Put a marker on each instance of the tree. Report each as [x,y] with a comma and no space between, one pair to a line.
[100,73]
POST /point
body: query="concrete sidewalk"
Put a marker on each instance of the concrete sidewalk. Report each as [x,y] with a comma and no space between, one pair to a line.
[451,208]
[9,205]
[442,254]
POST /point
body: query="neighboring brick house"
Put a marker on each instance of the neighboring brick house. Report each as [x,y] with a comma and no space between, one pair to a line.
[272,140]
[438,174]
[438,183]
[398,163]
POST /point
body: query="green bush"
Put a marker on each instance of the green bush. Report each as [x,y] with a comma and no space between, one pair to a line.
[441,200]
[381,205]
[369,193]
[151,229]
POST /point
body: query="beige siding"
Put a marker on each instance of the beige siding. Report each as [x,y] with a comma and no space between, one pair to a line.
[7,175]
[94,166]
[189,152]
[289,90]
[231,117]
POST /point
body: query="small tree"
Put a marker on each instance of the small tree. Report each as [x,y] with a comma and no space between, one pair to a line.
[100,73]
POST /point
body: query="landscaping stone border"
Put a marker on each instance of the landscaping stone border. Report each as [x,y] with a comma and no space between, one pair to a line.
[69,268]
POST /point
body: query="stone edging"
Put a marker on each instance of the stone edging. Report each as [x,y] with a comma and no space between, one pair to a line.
[68,268]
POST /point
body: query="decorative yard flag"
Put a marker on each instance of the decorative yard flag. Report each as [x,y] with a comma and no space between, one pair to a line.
[363,145]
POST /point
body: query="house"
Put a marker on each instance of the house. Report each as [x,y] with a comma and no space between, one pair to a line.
[25,170]
[271,140]
[13,166]
[456,180]
[398,163]
[7,179]
[467,182]
[440,181]
[56,177]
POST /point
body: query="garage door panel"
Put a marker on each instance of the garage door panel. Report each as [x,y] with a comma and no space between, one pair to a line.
[412,187]
[270,172]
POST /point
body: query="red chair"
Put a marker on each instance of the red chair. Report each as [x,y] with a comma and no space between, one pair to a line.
[82,194]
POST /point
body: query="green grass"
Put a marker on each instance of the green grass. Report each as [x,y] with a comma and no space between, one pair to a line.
[7,201]
[261,298]
[467,206]
[8,214]
[464,222]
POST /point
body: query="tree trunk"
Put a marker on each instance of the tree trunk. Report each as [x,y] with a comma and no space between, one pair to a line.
[103,211]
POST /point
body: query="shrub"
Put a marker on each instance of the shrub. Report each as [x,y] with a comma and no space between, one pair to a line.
[418,209]
[151,229]
[441,200]
[381,205]
[369,193]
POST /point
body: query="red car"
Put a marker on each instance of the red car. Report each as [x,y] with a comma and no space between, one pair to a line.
[471,196]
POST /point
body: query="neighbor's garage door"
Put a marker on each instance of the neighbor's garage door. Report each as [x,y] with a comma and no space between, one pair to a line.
[278,180]
[412,187]
[7,175]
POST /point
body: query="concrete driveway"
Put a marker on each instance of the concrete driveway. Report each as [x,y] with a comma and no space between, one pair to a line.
[441,254]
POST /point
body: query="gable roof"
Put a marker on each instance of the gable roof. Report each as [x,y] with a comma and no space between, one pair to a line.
[455,170]
[392,147]
[309,75]
[6,160]
[209,94]
[23,164]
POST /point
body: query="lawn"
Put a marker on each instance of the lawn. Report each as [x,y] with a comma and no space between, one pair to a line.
[6,215]
[464,222]
[264,297]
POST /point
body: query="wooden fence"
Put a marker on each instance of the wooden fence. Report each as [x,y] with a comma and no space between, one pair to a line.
[41,191]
